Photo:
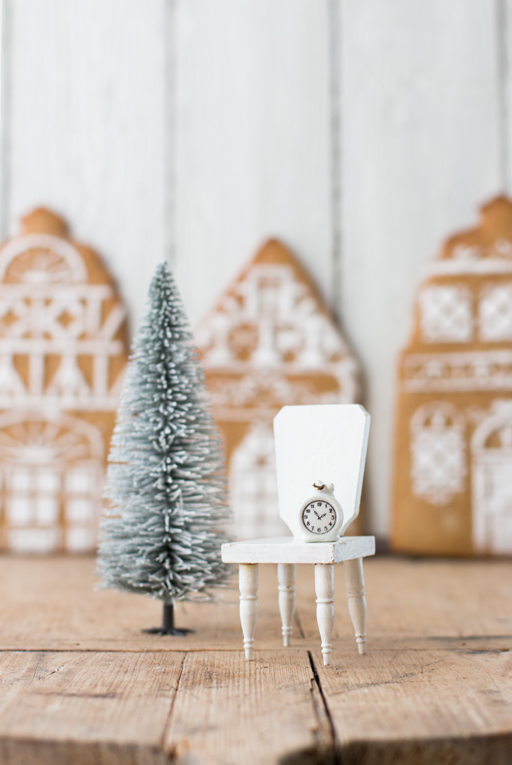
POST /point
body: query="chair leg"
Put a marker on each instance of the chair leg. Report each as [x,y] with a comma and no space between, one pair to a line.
[286,578]
[324,588]
[354,579]
[248,575]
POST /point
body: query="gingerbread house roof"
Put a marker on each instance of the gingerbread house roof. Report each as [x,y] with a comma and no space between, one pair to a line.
[62,324]
[271,321]
[489,243]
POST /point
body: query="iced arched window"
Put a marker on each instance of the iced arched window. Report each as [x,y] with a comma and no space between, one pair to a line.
[495,313]
[51,471]
[446,314]
[438,452]
[492,485]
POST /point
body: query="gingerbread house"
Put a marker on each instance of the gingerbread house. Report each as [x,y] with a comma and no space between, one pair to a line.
[453,445]
[269,341]
[63,349]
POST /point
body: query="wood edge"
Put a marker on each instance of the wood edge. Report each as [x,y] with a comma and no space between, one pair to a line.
[328,552]
[479,750]
[46,751]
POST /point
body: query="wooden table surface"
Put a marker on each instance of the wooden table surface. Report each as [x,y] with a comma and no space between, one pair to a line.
[81,684]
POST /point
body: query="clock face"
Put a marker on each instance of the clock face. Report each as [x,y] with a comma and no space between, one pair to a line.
[319,516]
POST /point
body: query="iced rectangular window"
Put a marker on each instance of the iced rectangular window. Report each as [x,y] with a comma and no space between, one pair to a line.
[47,510]
[20,510]
[81,480]
[446,314]
[495,314]
[47,481]
[20,479]
[80,510]
[34,540]
[80,539]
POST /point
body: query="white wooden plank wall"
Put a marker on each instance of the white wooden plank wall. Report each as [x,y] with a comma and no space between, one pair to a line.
[252,139]
[360,132]
[86,125]
[504,18]
[419,153]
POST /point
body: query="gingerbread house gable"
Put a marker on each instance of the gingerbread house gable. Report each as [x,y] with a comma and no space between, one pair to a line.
[270,341]
[453,446]
[63,349]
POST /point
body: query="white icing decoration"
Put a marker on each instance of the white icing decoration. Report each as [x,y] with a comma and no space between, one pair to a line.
[438,455]
[446,314]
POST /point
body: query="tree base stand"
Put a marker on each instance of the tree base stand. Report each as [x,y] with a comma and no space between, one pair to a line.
[167,627]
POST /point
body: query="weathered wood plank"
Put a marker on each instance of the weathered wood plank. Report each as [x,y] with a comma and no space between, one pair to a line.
[252,139]
[419,153]
[85,707]
[435,686]
[411,697]
[420,604]
[230,711]
[51,604]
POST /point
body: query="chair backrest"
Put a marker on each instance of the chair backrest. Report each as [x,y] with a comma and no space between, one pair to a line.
[325,442]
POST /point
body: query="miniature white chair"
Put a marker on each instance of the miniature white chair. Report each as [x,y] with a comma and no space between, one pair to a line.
[325,442]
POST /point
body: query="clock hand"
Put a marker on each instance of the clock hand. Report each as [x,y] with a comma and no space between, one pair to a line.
[322,516]
[317,515]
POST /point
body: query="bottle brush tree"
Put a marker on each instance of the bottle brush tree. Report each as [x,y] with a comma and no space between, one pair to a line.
[162,532]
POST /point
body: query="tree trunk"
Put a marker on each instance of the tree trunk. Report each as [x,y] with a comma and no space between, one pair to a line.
[168,627]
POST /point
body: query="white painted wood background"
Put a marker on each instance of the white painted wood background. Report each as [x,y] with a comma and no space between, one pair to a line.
[361,132]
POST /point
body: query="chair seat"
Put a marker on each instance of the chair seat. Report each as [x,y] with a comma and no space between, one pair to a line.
[293,550]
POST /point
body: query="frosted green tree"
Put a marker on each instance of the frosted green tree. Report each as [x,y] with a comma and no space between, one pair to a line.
[161,534]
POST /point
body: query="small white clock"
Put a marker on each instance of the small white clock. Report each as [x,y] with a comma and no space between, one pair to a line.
[321,516]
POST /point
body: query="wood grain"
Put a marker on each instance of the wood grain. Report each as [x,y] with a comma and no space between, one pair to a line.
[85,707]
[420,604]
[80,683]
[414,696]
[252,712]
[51,604]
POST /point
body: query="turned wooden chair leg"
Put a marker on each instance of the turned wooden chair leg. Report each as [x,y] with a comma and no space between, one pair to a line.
[324,588]
[248,575]
[286,578]
[354,579]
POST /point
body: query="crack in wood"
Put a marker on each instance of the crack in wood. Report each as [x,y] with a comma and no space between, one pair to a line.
[326,740]
[167,725]
[326,749]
